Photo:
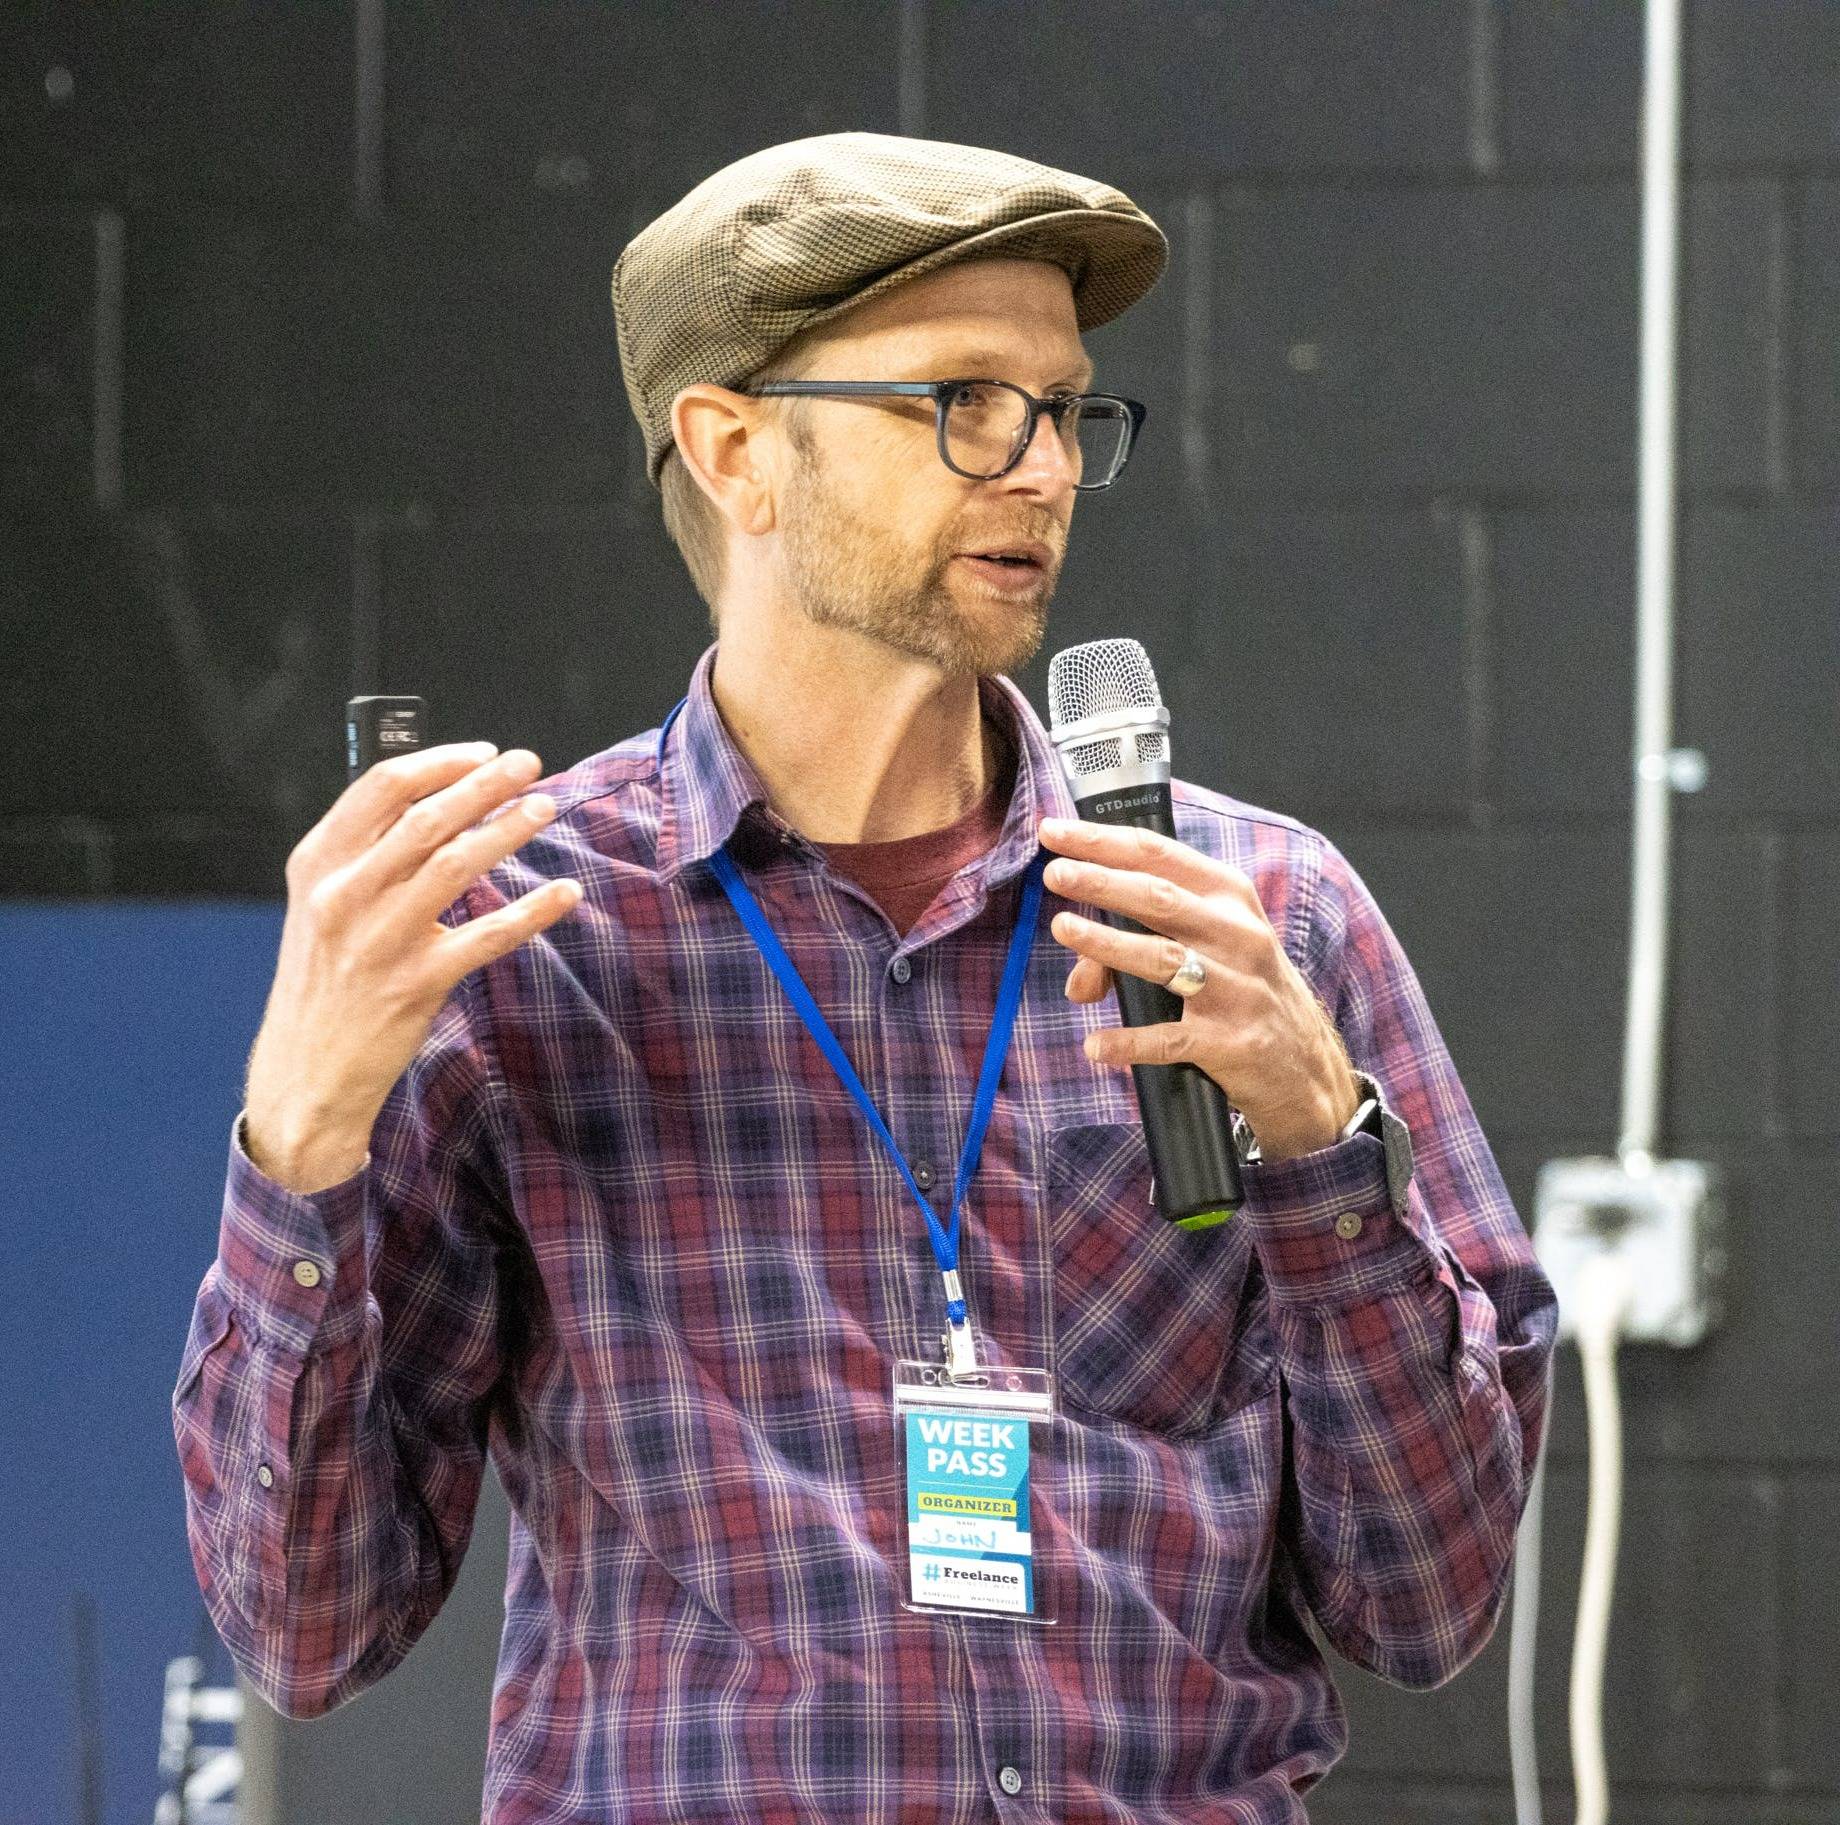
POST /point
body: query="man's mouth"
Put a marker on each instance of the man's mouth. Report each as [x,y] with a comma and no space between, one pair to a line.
[1025,554]
[1012,576]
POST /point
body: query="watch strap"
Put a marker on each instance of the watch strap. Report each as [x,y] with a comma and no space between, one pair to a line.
[1375,1117]
[1366,1117]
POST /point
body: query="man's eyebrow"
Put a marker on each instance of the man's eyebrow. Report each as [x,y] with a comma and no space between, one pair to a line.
[988,364]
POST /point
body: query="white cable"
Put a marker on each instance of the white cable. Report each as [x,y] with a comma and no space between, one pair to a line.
[1523,1632]
[1603,1299]
[1657,528]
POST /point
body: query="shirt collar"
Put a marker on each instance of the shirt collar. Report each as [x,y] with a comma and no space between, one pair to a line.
[706,784]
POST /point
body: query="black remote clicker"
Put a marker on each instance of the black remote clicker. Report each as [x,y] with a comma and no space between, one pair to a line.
[377,727]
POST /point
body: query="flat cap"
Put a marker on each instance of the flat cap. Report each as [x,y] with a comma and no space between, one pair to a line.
[797,233]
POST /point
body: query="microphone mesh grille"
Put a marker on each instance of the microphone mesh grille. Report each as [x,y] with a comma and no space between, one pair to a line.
[1098,676]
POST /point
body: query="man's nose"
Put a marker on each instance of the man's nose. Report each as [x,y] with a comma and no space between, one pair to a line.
[1047,462]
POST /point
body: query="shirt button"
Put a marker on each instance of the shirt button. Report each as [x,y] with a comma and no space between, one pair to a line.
[307,1272]
[265,1476]
[1009,1780]
[1348,1225]
[901,969]
[923,1174]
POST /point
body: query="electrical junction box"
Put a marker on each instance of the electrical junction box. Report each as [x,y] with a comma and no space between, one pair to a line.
[1665,1220]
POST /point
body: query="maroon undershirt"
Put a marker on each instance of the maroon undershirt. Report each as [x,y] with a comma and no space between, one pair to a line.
[904,875]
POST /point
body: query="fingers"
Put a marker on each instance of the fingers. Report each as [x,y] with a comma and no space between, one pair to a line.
[408,906]
[373,801]
[1148,851]
[365,964]
[1088,981]
[1152,900]
[460,951]
[1170,1042]
[1146,954]
[437,839]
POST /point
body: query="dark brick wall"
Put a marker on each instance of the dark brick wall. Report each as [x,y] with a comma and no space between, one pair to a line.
[309,387]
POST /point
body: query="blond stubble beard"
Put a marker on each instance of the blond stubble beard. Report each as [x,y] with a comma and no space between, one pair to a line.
[840,575]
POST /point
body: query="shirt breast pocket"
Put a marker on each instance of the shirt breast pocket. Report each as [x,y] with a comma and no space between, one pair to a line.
[1151,1322]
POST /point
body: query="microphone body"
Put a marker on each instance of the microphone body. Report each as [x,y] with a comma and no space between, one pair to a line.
[1111,729]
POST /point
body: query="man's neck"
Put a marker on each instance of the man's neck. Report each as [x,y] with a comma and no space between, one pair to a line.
[854,742]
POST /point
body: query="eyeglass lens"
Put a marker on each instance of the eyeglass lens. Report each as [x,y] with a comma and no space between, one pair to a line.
[985,424]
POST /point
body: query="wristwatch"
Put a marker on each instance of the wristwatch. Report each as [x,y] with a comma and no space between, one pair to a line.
[1366,1118]
[1371,1116]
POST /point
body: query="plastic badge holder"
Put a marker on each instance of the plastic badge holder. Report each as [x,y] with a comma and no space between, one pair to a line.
[964,1443]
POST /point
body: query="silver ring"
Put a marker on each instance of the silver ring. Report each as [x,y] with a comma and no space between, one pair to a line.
[1189,977]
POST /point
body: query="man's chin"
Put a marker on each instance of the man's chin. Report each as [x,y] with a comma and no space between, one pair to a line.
[944,629]
[988,657]
[1011,646]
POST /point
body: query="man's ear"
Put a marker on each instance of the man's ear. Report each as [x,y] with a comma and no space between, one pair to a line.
[728,444]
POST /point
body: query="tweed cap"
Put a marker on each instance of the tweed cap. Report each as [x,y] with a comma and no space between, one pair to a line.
[798,233]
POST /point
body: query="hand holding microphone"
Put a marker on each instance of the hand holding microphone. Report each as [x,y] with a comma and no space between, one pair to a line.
[1211,1004]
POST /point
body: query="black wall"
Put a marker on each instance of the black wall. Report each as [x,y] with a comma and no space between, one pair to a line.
[309,387]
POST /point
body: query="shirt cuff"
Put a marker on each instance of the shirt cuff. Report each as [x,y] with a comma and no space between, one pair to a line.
[1326,1227]
[292,1263]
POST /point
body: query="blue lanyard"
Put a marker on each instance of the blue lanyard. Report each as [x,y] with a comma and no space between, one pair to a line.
[1009,997]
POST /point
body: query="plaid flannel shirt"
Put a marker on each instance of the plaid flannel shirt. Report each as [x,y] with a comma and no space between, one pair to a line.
[621,1227]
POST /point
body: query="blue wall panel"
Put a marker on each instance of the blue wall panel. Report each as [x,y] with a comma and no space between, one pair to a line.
[125,1027]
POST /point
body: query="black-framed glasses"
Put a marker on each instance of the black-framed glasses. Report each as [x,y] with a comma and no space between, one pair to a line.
[983,426]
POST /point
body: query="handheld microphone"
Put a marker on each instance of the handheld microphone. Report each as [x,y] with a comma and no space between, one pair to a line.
[1109,723]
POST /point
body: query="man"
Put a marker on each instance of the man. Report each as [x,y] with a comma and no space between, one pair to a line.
[586,1184]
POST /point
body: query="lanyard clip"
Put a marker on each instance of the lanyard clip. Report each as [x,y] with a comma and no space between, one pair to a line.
[961,1353]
